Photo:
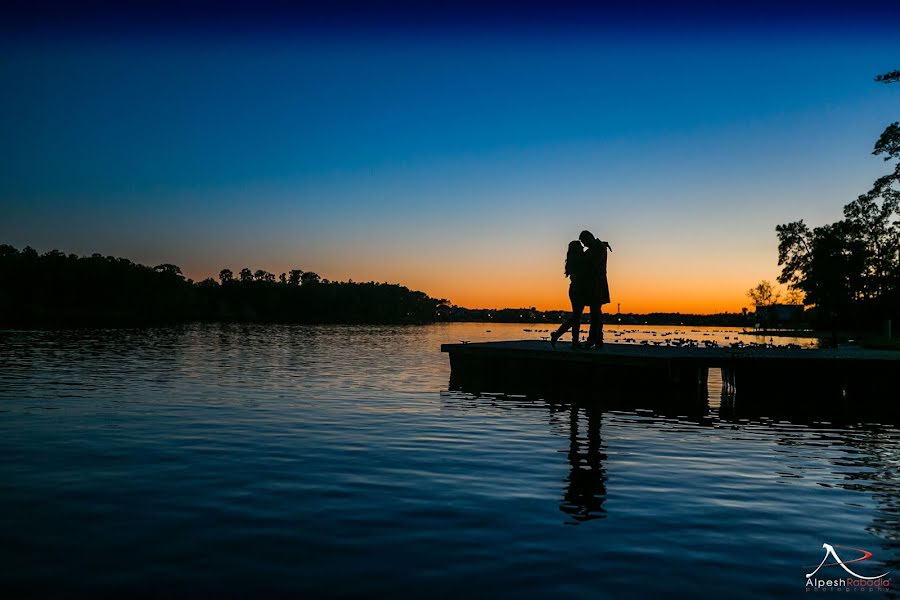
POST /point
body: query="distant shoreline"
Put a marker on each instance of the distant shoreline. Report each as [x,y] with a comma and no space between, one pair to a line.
[112,323]
[532,315]
[59,290]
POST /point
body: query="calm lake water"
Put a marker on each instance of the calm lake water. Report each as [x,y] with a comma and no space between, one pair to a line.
[332,461]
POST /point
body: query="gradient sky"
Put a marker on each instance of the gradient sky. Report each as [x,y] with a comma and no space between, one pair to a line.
[453,153]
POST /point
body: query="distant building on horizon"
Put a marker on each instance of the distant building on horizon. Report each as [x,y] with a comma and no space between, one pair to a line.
[776,314]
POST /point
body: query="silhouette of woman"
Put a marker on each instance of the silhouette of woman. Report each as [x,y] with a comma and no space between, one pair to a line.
[581,285]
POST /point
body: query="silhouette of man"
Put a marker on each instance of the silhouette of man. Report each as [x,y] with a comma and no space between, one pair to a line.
[596,254]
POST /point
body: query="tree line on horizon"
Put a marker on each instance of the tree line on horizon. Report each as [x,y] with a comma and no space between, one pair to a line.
[58,289]
[849,270]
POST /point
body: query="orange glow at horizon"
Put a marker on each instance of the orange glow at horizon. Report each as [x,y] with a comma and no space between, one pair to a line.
[631,294]
[640,282]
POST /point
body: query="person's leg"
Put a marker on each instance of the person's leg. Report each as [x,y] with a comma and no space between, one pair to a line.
[566,325]
[560,331]
[574,318]
[598,310]
[577,311]
[595,333]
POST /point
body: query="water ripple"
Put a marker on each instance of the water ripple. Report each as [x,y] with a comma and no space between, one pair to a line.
[229,459]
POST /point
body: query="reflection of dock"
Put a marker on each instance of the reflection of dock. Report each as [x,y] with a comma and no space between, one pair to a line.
[669,374]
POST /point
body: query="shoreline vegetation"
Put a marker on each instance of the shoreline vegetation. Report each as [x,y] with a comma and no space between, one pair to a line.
[62,290]
[850,269]
[55,289]
[59,290]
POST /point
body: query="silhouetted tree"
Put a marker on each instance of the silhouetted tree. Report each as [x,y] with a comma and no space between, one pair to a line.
[763,294]
[262,275]
[294,276]
[873,235]
[282,279]
[166,268]
[889,77]
[226,276]
[309,277]
[850,269]
[60,289]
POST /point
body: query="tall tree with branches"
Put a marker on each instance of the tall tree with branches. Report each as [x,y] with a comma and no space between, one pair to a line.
[856,260]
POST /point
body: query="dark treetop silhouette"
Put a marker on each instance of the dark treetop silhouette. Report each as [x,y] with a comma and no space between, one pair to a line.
[56,289]
[850,269]
[59,289]
[586,269]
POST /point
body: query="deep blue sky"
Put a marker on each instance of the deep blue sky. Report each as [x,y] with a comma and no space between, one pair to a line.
[453,151]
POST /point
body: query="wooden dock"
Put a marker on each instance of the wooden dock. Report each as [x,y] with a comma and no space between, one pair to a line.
[845,378]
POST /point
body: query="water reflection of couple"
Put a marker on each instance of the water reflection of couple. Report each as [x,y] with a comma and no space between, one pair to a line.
[586,269]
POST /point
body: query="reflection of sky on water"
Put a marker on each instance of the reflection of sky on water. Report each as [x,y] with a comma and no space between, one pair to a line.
[333,455]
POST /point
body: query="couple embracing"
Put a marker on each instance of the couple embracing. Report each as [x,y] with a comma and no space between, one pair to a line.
[586,270]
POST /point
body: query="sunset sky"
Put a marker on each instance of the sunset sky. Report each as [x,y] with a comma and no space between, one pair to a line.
[456,153]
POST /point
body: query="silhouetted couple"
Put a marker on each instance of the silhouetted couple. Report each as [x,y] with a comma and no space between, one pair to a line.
[586,270]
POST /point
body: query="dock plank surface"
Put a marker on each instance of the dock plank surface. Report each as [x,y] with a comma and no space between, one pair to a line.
[757,374]
[642,352]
